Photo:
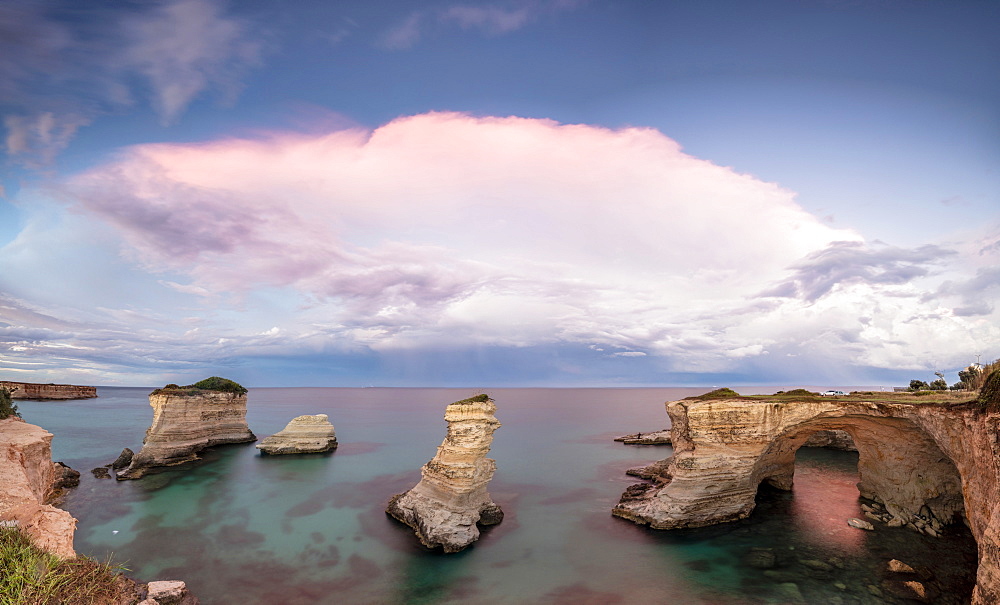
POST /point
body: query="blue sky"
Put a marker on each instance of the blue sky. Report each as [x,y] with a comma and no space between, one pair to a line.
[499,193]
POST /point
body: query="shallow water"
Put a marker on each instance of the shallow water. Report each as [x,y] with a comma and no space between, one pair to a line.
[242,528]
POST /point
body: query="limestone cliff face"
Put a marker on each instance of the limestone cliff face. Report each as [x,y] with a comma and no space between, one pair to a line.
[185,423]
[450,500]
[31,390]
[303,435]
[27,475]
[928,464]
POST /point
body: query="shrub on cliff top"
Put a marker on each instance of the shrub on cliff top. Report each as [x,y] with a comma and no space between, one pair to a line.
[723,393]
[989,395]
[7,407]
[215,383]
[474,399]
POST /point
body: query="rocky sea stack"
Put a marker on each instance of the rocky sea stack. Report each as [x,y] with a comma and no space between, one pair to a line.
[449,503]
[187,420]
[303,435]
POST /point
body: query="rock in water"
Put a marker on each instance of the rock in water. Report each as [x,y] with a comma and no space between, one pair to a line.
[448,503]
[187,420]
[123,460]
[303,435]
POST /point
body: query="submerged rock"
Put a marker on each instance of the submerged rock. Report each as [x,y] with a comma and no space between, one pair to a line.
[303,435]
[450,501]
[187,420]
[101,472]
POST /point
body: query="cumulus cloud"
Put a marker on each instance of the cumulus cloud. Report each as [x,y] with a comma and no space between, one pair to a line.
[449,232]
[447,226]
[847,263]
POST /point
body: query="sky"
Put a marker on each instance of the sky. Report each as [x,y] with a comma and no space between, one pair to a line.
[499,193]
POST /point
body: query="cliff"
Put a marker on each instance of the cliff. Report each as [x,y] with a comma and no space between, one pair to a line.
[31,390]
[449,503]
[186,421]
[303,435]
[927,464]
[27,483]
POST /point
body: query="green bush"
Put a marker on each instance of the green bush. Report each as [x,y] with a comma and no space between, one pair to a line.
[215,383]
[919,385]
[474,399]
[989,395]
[7,407]
[723,393]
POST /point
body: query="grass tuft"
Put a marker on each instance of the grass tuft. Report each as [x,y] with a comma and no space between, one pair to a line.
[723,393]
[31,576]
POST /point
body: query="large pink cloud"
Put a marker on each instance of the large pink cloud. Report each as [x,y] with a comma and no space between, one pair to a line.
[421,226]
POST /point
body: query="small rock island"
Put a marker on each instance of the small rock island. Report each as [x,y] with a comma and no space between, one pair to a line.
[303,435]
[188,419]
[450,501]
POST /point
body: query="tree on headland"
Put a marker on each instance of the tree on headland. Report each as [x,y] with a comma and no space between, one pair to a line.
[7,407]
[919,385]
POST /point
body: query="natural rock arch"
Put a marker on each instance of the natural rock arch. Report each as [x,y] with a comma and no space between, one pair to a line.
[928,464]
[899,465]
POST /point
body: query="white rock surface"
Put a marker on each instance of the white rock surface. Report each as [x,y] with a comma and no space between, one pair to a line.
[303,435]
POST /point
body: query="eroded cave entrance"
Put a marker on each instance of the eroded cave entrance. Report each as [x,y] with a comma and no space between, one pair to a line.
[900,468]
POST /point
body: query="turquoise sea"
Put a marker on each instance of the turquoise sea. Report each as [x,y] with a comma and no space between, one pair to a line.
[242,528]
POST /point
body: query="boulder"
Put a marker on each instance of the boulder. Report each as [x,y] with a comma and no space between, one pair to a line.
[303,435]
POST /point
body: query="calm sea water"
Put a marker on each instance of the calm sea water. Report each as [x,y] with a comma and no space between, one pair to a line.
[242,528]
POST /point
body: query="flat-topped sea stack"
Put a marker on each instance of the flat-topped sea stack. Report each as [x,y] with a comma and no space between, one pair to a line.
[186,420]
[449,503]
[303,435]
[28,480]
[923,461]
[32,390]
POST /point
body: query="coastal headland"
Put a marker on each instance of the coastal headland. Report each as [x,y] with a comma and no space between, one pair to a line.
[926,463]
[38,391]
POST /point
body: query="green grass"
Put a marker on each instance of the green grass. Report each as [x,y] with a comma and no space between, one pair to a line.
[31,576]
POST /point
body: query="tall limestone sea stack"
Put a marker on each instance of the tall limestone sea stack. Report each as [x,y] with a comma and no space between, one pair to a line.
[187,420]
[450,501]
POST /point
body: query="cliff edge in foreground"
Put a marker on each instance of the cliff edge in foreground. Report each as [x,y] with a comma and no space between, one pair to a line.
[27,476]
[450,501]
[186,420]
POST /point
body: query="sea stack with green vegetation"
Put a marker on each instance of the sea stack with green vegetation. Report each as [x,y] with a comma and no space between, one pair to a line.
[303,435]
[449,503]
[188,419]
[926,459]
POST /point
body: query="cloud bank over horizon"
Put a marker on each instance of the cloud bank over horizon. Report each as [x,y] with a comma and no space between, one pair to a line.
[475,241]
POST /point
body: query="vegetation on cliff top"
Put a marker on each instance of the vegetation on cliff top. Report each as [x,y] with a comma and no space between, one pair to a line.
[215,383]
[32,576]
[7,407]
[723,393]
[989,395]
[474,399]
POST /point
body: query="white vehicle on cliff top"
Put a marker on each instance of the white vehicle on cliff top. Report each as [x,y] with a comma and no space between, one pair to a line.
[832,393]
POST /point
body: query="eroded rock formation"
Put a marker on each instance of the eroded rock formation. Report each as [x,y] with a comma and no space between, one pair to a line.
[28,481]
[926,465]
[449,503]
[303,435]
[31,390]
[185,422]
